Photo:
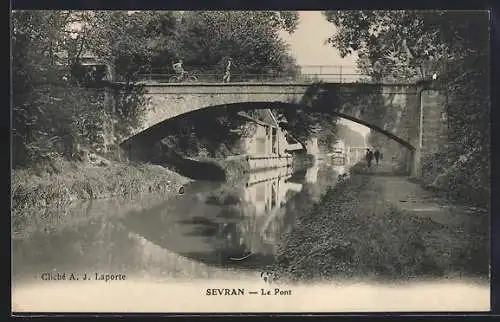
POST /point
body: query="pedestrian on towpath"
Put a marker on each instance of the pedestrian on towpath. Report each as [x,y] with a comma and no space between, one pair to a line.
[369,157]
[227,75]
[377,155]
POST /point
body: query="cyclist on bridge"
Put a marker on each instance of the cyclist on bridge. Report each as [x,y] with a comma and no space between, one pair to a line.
[178,69]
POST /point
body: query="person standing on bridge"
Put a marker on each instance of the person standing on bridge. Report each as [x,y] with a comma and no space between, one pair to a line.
[369,157]
[227,75]
[377,155]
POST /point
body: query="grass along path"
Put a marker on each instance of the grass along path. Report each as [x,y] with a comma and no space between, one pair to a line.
[358,231]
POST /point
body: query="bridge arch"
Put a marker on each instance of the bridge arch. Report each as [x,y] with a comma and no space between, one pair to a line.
[416,123]
[161,129]
[166,101]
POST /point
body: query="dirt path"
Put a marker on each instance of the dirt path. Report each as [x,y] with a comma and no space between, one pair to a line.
[379,226]
[412,198]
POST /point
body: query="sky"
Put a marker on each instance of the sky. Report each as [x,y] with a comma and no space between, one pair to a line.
[307,45]
[307,42]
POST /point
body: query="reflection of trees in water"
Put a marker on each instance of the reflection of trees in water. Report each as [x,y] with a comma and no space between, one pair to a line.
[222,224]
[242,230]
[228,224]
[231,228]
[231,241]
[304,201]
[313,192]
[326,177]
[241,235]
[205,226]
[231,194]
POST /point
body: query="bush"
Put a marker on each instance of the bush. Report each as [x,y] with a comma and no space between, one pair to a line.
[465,178]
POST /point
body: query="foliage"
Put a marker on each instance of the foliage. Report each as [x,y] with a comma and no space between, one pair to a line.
[30,50]
[198,135]
[133,40]
[411,45]
[129,106]
[208,38]
[55,110]
[53,113]
[313,119]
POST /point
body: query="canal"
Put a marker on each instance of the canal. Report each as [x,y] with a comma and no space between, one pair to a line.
[212,230]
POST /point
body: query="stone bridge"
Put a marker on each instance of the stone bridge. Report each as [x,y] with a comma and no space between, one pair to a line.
[414,108]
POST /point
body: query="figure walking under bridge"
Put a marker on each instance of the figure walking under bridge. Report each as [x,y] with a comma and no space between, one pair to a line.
[369,157]
[377,156]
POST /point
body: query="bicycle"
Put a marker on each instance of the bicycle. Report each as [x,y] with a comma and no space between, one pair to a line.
[184,77]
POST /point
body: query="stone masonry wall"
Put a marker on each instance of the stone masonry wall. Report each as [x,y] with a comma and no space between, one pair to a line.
[170,100]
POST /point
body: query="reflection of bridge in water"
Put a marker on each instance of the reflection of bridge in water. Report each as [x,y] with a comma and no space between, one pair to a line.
[216,224]
[267,193]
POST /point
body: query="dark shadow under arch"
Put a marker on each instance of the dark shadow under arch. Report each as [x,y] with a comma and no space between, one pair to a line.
[159,130]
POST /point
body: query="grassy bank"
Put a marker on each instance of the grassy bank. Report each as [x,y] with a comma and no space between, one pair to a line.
[353,233]
[58,186]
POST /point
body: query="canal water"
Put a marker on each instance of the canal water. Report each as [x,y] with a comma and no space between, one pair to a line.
[212,230]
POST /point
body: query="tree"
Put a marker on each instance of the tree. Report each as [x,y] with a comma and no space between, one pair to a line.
[250,38]
[51,113]
[457,40]
[131,41]
[36,36]
[410,45]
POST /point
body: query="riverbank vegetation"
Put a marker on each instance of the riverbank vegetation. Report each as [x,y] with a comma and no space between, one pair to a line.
[451,44]
[35,189]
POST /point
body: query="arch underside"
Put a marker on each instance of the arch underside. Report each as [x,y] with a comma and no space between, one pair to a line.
[159,130]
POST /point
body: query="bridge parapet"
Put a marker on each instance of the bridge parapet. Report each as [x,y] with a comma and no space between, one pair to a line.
[308,74]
